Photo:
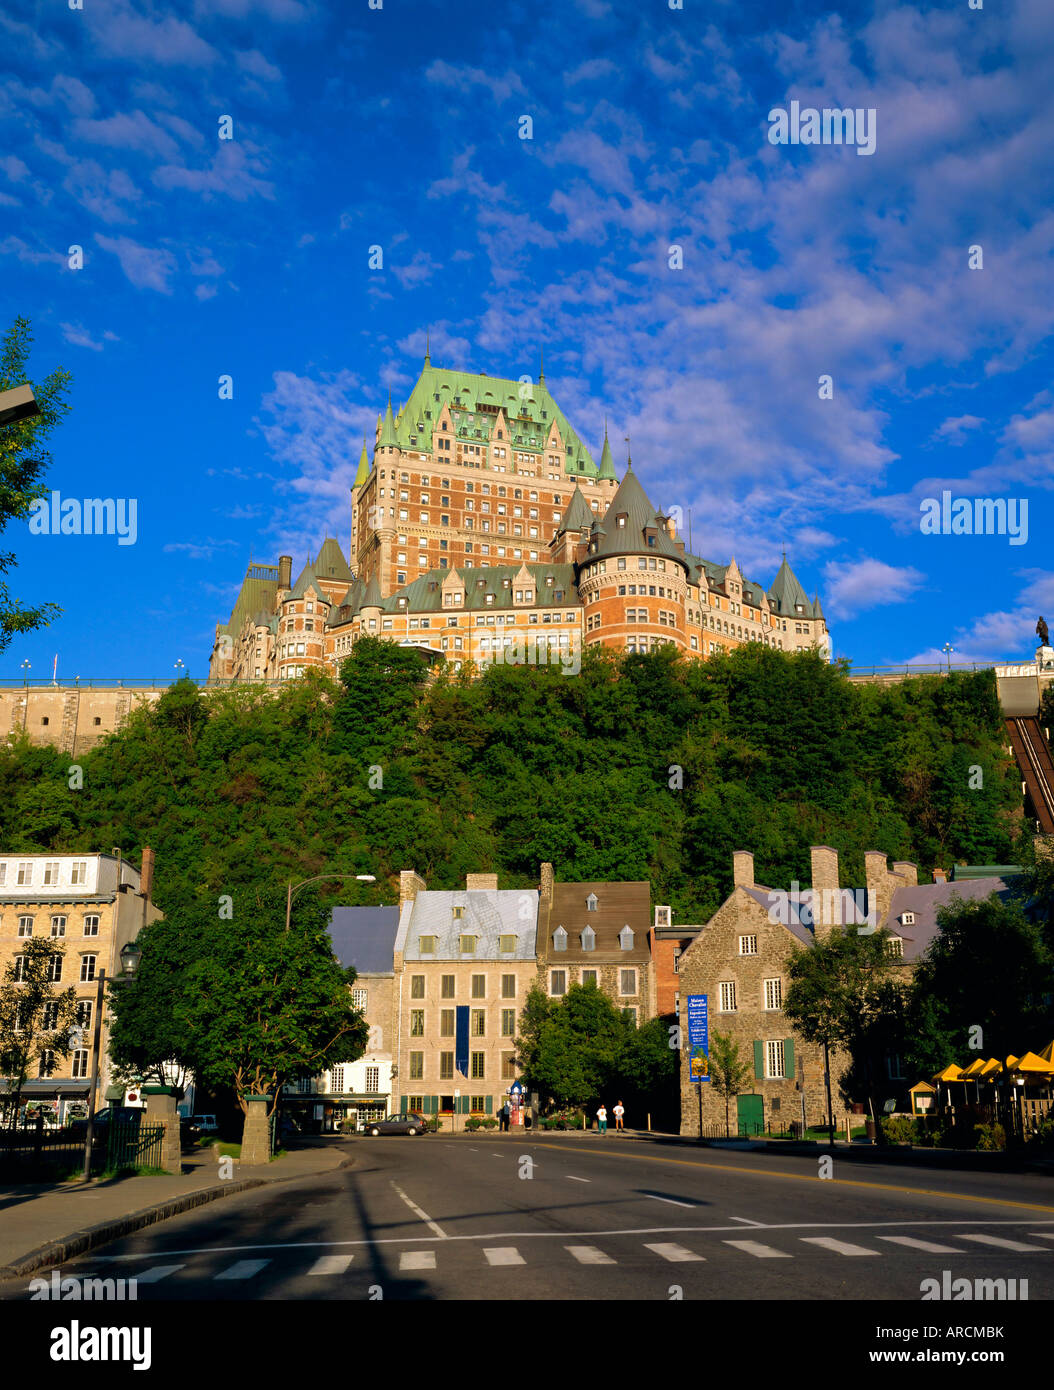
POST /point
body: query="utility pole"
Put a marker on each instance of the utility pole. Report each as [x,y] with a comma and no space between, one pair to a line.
[94,1073]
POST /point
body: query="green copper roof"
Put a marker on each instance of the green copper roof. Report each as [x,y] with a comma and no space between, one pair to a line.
[388,431]
[640,531]
[363,470]
[786,593]
[372,597]
[578,513]
[474,400]
[607,463]
[306,583]
[256,593]
[331,563]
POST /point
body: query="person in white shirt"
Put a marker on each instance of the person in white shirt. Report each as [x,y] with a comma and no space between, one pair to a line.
[602,1120]
[619,1111]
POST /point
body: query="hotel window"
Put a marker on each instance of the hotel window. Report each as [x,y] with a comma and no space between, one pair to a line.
[508,1066]
[773,994]
[468,945]
[447,988]
[25,926]
[508,1023]
[748,945]
[478,1022]
[87,968]
[416,1104]
[358,999]
[58,926]
[84,1013]
[417,1023]
[590,977]
[25,872]
[508,986]
[49,1020]
[557,983]
[479,986]
[728,996]
[446,1023]
[506,944]
[627,983]
[55,969]
[458,912]
[51,872]
[477,1104]
[417,986]
[79,872]
[417,1066]
[446,1066]
[479,1067]
[591,902]
[775,1062]
[559,939]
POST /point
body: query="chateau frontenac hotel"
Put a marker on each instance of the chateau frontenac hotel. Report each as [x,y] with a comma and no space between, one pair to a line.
[481,522]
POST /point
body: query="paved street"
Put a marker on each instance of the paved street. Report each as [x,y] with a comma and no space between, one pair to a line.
[433,1218]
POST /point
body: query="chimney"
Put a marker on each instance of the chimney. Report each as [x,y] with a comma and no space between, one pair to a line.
[545,885]
[826,898]
[410,884]
[488,881]
[743,868]
[146,874]
[939,876]
[285,571]
[906,870]
[879,887]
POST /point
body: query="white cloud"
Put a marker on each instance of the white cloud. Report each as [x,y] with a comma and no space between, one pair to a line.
[852,586]
[146,267]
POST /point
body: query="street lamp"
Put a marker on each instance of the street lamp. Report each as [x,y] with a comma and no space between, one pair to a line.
[178,668]
[26,668]
[131,955]
[947,649]
[295,888]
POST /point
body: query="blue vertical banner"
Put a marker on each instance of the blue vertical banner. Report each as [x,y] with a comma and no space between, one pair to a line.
[461,1040]
[698,1039]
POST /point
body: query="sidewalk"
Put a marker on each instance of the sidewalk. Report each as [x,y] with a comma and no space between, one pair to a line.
[43,1223]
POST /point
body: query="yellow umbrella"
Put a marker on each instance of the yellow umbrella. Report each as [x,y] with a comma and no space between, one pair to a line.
[991,1068]
[1048,1051]
[1029,1062]
[976,1066]
[950,1073]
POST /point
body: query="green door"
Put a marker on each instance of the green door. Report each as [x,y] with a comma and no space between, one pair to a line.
[750,1113]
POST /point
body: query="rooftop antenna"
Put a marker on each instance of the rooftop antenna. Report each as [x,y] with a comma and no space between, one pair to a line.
[629,456]
[541,367]
[428,355]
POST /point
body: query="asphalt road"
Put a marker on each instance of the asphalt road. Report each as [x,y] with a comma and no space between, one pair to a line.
[586,1218]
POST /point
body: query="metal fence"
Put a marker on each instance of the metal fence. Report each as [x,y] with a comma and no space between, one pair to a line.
[40,1155]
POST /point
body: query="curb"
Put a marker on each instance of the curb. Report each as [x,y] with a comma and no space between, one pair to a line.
[89,1237]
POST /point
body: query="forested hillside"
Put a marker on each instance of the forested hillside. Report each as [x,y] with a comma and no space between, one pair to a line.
[639,767]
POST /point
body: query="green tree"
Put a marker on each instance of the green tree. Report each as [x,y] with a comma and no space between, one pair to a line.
[23,462]
[728,1074]
[35,1018]
[846,990]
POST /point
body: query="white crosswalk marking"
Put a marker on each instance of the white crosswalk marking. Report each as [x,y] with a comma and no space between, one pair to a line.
[676,1254]
[243,1269]
[1043,1235]
[589,1255]
[331,1264]
[504,1255]
[928,1245]
[1001,1242]
[417,1259]
[840,1247]
[151,1276]
[755,1248]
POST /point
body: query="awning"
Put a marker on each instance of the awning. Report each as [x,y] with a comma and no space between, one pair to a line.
[950,1073]
[49,1086]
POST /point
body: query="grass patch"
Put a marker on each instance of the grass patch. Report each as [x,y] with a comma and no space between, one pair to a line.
[225,1150]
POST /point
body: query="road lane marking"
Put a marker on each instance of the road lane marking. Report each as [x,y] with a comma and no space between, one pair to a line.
[421,1215]
[503,1255]
[928,1245]
[417,1259]
[152,1276]
[571,1178]
[747,1171]
[1002,1243]
[672,1201]
[840,1247]
[676,1254]
[330,1264]
[243,1269]
[589,1255]
[746,1220]
[759,1251]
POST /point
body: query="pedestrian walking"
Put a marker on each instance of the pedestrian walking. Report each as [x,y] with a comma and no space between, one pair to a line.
[503,1115]
[618,1112]
[602,1119]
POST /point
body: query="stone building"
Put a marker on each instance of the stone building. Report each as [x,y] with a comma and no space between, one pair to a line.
[72,718]
[90,906]
[463,963]
[482,521]
[597,932]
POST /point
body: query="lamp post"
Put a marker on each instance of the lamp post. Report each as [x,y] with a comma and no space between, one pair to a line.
[179,668]
[295,888]
[131,954]
[947,649]
[26,668]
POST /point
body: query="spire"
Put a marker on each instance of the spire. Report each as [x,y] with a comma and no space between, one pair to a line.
[363,471]
[388,427]
[428,355]
[629,456]
[541,367]
[607,463]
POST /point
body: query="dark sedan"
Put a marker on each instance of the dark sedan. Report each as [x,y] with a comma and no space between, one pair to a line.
[409,1122]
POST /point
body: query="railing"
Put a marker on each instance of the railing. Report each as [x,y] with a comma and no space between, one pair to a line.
[922,669]
[73,683]
[133,1145]
[36,1154]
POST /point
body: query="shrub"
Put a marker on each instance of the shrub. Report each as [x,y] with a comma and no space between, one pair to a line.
[898,1129]
[990,1137]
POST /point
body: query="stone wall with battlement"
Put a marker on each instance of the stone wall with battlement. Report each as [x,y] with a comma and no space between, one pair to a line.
[70,718]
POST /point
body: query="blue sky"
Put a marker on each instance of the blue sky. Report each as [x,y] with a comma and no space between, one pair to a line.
[399,127]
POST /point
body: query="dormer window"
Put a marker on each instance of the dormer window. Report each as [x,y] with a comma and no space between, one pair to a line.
[620,521]
[591,903]
[625,938]
[895,947]
[559,939]
[589,939]
[907,919]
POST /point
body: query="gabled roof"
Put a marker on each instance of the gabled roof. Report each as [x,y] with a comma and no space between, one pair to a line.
[786,593]
[486,913]
[331,563]
[611,539]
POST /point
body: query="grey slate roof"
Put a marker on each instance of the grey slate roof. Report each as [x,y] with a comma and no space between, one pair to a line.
[488,914]
[801,906]
[926,899]
[421,598]
[612,539]
[365,938]
[786,593]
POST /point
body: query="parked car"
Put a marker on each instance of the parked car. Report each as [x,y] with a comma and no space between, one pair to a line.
[409,1122]
[206,1123]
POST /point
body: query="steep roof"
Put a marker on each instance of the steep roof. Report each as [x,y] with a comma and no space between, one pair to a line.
[331,563]
[631,501]
[577,514]
[307,582]
[487,914]
[786,593]
[607,463]
[388,431]
[365,938]
[926,899]
[257,592]
[363,470]
[474,400]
